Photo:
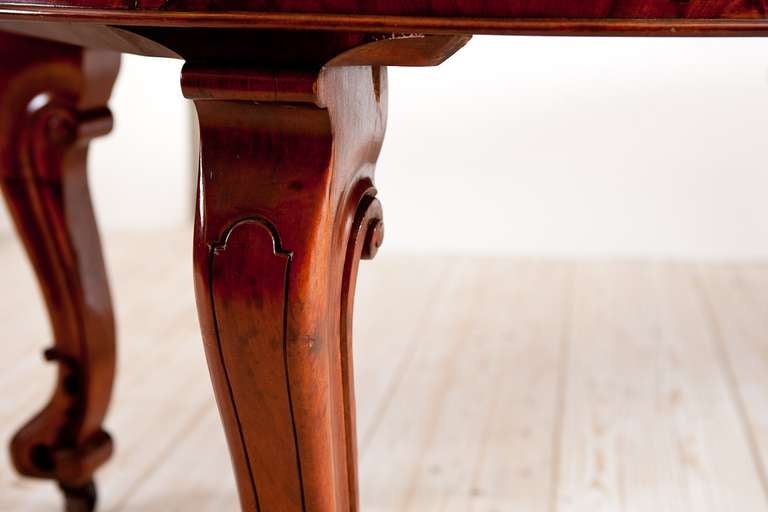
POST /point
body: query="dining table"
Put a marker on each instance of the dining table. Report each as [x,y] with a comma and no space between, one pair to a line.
[291,101]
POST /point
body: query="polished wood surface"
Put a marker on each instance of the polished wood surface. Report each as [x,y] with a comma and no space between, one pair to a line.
[291,125]
[97,26]
[233,30]
[286,210]
[52,102]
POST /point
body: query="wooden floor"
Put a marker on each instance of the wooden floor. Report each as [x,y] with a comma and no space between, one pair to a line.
[484,385]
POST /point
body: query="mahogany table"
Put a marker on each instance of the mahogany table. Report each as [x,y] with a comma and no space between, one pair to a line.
[291,97]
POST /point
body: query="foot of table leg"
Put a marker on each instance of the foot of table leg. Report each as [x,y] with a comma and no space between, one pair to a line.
[52,102]
[286,211]
[79,499]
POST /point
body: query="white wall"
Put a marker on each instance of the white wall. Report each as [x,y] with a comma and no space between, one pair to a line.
[141,174]
[633,147]
[553,146]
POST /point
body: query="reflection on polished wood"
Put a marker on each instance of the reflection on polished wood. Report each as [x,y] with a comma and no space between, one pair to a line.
[291,125]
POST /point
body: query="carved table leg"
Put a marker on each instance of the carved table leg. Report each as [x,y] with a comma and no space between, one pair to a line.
[52,102]
[286,211]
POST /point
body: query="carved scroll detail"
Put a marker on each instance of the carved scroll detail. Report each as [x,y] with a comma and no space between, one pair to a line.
[52,102]
[365,238]
[65,441]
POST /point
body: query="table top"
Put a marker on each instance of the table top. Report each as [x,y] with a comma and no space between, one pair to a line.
[357,32]
[649,17]
[447,8]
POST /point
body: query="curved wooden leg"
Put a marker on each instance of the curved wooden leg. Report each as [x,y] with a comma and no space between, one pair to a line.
[286,211]
[52,102]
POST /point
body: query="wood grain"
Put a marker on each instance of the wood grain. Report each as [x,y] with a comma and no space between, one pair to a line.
[480,8]
[52,102]
[291,98]
[438,8]
[100,26]
[182,463]
[286,211]
[644,378]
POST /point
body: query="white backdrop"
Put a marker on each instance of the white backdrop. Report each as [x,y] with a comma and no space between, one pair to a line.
[571,147]
[141,174]
[534,146]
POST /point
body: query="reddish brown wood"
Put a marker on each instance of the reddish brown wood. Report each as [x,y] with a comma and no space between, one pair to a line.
[485,8]
[366,236]
[100,4]
[100,25]
[286,210]
[441,8]
[291,97]
[52,102]
[303,50]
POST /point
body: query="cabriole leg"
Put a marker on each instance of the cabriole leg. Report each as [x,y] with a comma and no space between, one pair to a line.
[52,102]
[287,209]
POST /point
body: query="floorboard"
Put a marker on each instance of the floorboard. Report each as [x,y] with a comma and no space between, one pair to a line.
[484,385]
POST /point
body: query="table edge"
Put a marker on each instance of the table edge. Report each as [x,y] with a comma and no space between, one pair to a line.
[388,23]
